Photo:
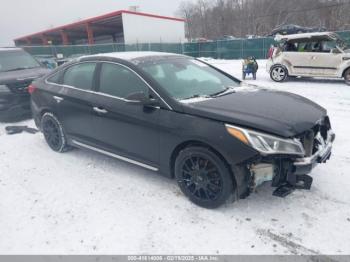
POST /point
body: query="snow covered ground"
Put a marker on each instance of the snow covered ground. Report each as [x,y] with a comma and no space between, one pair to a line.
[85,203]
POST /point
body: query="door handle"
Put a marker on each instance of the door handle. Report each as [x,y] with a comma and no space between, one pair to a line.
[100,110]
[58,99]
[313,57]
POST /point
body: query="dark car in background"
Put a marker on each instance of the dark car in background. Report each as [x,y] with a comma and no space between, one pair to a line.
[186,119]
[17,71]
[295,29]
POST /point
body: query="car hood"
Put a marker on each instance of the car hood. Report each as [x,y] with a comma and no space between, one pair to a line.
[280,113]
[21,75]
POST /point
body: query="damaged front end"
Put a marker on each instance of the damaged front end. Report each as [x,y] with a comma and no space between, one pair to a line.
[288,171]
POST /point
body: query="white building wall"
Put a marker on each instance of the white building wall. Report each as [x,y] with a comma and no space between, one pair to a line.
[143,29]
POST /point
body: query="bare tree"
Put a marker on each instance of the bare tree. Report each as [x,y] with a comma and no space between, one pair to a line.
[213,19]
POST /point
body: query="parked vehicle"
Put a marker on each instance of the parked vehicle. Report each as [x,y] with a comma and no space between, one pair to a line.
[17,71]
[295,29]
[185,119]
[228,38]
[68,59]
[322,54]
[48,61]
[201,40]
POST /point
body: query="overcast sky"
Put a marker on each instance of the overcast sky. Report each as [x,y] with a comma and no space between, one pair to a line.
[23,17]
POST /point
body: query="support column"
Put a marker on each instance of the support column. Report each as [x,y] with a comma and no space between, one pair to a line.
[28,41]
[44,40]
[64,36]
[90,34]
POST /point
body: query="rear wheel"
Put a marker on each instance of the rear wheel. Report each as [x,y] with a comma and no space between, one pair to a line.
[53,133]
[347,76]
[203,177]
[278,73]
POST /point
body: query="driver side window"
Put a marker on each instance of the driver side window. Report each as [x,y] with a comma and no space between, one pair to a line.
[119,81]
[328,46]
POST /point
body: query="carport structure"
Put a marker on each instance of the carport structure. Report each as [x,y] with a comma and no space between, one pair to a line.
[118,27]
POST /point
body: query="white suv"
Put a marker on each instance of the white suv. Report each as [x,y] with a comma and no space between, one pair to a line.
[322,54]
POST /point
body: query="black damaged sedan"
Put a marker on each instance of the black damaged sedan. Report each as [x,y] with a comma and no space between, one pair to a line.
[185,119]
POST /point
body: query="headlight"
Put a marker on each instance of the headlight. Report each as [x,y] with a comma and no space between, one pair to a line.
[4,89]
[265,143]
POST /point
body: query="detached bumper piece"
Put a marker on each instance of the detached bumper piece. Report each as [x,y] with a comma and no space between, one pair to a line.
[294,176]
[12,130]
[301,182]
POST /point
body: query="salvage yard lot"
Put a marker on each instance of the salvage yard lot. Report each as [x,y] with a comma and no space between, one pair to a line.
[85,203]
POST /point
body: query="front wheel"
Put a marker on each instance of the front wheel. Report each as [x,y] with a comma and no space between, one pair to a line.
[347,77]
[278,73]
[53,133]
[203,177]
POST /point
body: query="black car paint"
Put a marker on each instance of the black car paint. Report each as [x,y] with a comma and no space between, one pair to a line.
[154,135]
[16,102]
[288,115]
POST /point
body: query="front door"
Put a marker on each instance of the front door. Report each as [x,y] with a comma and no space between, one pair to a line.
[326,60]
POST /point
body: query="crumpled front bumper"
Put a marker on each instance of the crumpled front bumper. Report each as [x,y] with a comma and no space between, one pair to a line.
[297,175]
[288,174]
[304,166]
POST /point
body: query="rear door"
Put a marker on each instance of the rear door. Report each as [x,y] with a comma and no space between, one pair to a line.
[123,126]
[73,102]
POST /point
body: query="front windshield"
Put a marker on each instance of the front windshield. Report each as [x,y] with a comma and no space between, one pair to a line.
[16,60]
[185,78]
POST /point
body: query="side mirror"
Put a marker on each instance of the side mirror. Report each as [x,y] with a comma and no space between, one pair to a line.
[335,51]
[140,98]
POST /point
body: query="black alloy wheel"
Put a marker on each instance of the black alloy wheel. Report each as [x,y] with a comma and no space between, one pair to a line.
[203,177]
[53,133]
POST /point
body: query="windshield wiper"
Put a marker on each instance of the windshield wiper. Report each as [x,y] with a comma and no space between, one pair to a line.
[196,96]
[226,91]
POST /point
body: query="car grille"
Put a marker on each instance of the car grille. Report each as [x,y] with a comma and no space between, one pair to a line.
[312,138]
[19,87]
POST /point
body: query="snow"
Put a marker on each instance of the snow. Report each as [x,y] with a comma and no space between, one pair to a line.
[82,202]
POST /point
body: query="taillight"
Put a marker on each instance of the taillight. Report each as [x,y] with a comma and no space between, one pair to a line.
[31,89]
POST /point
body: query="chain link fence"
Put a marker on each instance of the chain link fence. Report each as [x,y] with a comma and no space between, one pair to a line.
[230,49]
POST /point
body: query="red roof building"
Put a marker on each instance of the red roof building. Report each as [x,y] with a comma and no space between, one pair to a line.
[122,26]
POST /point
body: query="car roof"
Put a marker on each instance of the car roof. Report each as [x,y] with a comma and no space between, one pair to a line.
[130,56]
[305,35]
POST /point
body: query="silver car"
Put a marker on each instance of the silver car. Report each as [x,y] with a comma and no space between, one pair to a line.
[323,54]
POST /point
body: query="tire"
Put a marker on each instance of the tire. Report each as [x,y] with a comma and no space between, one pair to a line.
[203,177]
[53,133]
[278,73]
[347,77]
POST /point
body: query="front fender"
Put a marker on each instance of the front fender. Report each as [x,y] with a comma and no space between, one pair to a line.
[188,128]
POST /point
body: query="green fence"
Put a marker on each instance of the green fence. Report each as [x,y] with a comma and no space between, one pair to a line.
[231,49]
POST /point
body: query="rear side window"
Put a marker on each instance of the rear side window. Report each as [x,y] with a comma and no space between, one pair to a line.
[116,80]
[80,76]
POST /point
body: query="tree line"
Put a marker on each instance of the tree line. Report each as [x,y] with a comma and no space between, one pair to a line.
[213,19]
